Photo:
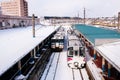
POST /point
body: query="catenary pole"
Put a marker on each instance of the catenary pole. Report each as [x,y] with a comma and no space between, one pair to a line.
[33,24]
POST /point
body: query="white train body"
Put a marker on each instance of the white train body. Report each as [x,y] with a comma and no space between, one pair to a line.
[75,52]
[57,42]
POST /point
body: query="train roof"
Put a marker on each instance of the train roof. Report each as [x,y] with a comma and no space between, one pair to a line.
[73,40]
[74,43]
[72,37]
[57,37]
[92,33]
[17,42]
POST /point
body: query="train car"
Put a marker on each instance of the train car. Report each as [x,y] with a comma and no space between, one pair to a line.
[57,41]
[75,52]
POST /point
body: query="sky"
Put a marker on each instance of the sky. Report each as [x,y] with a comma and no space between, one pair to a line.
[94,8]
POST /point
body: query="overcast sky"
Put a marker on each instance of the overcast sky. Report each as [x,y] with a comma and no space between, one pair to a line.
[94,8]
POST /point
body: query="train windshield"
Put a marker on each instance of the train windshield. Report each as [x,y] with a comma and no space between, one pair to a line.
[70,53]
[76,53]
[81,51]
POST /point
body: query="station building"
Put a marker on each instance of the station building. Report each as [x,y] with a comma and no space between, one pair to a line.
[15,8]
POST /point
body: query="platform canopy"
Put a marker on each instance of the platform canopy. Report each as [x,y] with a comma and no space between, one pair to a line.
[92,32]
[17,42]
[106,41]
[111,52]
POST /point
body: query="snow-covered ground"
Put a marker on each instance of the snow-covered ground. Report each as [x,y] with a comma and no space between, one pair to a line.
[17,42]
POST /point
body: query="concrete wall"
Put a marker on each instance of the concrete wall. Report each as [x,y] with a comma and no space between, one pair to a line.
[12,22]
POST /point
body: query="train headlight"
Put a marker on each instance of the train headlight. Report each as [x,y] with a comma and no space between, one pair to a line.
[83,65]
[76,64]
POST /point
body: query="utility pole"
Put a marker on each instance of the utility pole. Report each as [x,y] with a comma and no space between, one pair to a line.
[78,17]
[118,20]
[84,12]
[114,21]
[33,24]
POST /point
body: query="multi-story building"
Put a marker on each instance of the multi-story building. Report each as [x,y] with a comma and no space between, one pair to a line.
[15,8]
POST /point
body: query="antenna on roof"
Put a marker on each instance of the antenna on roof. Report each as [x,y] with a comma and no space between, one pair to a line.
[78,17]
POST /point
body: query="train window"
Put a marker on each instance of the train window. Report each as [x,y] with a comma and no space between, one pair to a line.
[76,53]
[81,51]
[70,48]
[70,53]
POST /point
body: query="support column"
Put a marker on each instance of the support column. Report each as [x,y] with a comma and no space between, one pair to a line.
[103,64]
[109,69]
[34,53]
[33,24]
[38,47]
[32,58]
[38,51]
[87,44]
[42,43]
[19,67]
[95,54]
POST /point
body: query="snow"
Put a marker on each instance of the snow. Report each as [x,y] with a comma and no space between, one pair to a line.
[94,70]
[77,75]
[48,67]
[16,43]
[63,71]
[20,77]
[52,70]
[111,52]
[84,74]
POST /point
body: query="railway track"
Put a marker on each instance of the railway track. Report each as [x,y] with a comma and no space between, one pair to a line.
[50,72]
[77,74]
[40,66]
[56,66]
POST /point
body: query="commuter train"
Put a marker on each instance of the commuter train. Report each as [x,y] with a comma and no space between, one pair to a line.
[57,41]
[75,52]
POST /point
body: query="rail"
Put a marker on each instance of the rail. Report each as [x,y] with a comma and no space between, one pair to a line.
[49,66]
[56,66]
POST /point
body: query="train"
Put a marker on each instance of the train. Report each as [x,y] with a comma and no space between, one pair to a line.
[75,51]
[57,41]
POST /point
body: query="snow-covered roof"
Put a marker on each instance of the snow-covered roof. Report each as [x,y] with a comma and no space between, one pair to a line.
[16,43]
[111,52]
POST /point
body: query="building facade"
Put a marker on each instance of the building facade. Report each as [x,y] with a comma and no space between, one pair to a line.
[15,8]
[7,22]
